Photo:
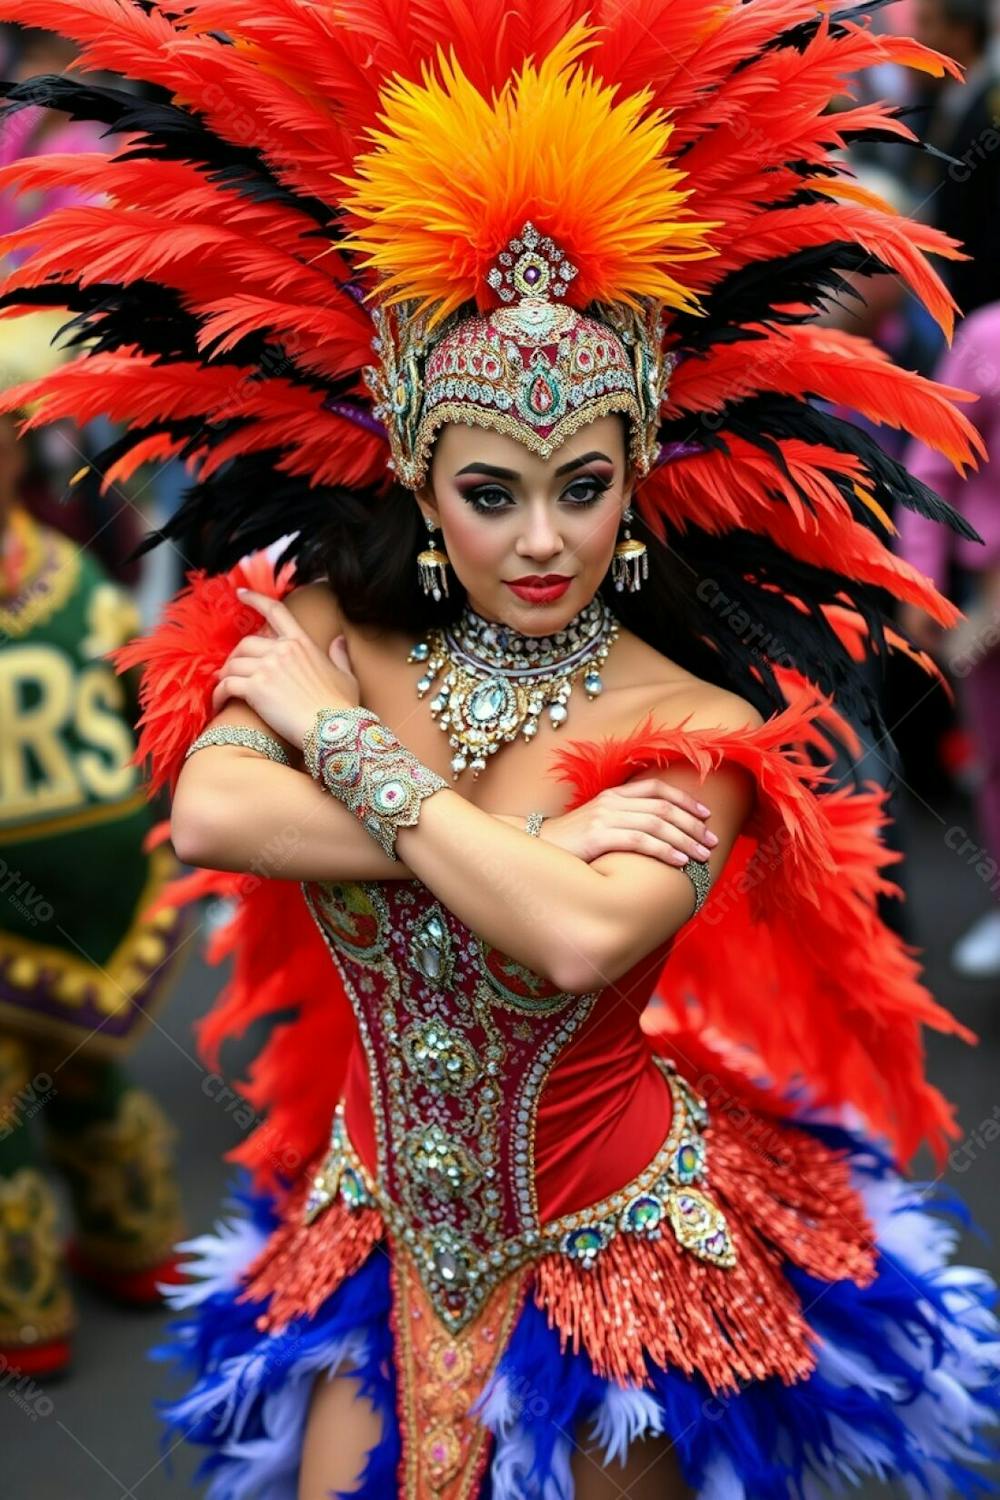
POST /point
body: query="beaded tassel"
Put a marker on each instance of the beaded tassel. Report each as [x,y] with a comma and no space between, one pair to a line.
[648,1298]
[303,1263]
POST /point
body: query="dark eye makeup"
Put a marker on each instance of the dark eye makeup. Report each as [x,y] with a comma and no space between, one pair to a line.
[585,491]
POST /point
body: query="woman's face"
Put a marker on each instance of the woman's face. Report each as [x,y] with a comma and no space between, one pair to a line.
[507,515]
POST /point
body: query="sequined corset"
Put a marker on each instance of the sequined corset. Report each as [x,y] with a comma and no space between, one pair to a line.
[459,1040]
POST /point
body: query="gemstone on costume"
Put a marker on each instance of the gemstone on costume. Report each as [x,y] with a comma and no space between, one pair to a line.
[643,1214]
[689,1161]
[430,950]
[352,1189]
[540,396]
[585,1244]
[443,1451]
[450,1264]
[700,1227]
[442,1162]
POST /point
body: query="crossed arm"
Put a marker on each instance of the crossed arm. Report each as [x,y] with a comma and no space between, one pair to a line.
[581,925]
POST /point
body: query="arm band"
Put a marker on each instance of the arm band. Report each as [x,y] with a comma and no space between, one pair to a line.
[248,739]
[359,759]
[700,877]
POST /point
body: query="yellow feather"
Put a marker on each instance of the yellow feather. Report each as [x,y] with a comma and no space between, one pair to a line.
[452,176]
[869,500]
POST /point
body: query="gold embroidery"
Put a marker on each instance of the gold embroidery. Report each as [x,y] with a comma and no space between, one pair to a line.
[459,1281]
[51,576]
[445,1449]
[454,1179]
[114,985]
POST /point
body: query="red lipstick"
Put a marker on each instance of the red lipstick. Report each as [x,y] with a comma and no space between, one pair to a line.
[537,588]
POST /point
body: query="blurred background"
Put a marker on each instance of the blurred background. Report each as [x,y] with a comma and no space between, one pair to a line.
[112,1132]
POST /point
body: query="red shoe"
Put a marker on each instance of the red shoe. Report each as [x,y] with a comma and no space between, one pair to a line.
[134,1288]
[126,1205]
[39,1361]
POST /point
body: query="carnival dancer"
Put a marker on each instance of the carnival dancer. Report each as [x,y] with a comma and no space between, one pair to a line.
[453,300]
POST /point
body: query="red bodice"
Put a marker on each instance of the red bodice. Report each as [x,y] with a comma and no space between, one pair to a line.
[484,1101]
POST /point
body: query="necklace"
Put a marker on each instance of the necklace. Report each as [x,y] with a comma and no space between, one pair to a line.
[498,681]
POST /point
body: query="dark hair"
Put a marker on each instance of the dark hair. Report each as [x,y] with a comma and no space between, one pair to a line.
[369,550]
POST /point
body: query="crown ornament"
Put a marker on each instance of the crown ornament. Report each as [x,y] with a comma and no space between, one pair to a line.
[534,367]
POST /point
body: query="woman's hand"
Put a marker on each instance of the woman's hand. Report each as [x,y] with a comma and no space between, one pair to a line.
[284,676]
[647,816]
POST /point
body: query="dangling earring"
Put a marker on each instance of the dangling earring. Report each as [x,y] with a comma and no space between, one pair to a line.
[432,566]
[631,558]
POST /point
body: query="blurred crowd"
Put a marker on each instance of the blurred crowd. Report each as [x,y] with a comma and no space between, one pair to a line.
[81,967]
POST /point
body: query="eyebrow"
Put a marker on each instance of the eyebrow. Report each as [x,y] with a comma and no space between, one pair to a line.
[498,473]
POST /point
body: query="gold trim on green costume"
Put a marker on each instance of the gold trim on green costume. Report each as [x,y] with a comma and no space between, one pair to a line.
[50,577]
[89,817]
[137,957]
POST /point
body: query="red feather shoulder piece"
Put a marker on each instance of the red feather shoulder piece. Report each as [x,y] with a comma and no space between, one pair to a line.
[789,975]
[279,962]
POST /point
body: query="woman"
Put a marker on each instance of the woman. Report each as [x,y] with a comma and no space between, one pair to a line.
[579,915]
[511,1225]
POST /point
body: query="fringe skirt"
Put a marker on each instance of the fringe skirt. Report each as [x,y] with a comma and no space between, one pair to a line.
[905,1386]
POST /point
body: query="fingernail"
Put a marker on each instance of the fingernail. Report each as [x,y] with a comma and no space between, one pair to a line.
[703,810]
[701,851]
[710,837]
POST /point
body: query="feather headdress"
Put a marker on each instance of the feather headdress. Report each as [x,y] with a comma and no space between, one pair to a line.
[293,167]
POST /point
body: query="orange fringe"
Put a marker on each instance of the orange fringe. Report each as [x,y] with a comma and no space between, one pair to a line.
[651,1298]
[303,1264]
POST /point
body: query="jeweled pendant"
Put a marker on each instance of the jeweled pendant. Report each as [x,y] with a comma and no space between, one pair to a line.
[498,682]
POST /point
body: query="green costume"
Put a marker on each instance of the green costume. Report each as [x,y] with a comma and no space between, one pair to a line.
[83,960]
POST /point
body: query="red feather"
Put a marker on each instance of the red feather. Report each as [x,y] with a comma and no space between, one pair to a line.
[790,962]
[834,366]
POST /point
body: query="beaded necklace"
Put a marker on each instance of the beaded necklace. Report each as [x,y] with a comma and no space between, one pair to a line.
[499,681]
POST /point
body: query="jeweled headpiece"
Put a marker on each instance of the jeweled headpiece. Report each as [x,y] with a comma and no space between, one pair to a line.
[568,323]
[535,369]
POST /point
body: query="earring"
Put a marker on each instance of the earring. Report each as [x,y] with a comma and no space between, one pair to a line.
[432,566]
[631,558]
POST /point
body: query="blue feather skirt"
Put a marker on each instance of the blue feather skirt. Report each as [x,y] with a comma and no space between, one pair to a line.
[906,1385]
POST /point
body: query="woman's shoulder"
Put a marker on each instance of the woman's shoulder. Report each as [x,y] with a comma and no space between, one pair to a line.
[674,696]
[315,607]
[702,705]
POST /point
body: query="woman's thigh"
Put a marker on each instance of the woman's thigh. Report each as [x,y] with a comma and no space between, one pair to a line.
[650,1472]
[342,1427]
